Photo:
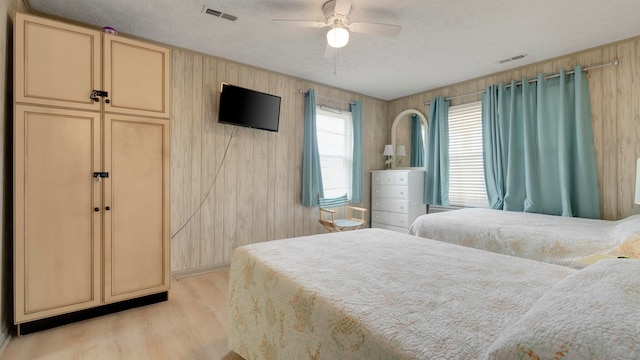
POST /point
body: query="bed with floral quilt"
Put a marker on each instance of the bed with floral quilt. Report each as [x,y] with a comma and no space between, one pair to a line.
[560,240]
[377,294]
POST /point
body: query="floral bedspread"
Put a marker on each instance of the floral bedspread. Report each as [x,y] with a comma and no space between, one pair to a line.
[376,294]
[553,239]
[591,314]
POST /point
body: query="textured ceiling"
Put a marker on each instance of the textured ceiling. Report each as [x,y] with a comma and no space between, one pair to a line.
[441,42]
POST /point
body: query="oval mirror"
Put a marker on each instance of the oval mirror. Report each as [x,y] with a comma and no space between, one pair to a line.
[409,140]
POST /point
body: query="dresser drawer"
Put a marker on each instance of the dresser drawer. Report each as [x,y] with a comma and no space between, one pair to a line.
[401,178]
[388,218]
[396,206]
[391,191]
[390,178]
[382,178]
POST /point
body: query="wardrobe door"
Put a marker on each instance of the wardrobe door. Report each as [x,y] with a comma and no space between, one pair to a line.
[56,64]
[57,207]
[136,236]
[136,76]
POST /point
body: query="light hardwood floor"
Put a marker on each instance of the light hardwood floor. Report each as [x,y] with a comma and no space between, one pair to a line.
[192,324]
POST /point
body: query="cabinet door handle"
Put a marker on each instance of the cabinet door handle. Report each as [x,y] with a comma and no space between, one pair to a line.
[100,175]
[96,209]
[107,208]
[96,94]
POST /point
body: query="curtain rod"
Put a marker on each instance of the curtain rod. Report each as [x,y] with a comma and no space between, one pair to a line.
[614,62]
[327,97]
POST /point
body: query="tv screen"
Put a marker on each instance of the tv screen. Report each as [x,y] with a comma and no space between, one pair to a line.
[244,107]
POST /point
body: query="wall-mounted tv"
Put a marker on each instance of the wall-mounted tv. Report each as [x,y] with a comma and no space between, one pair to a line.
[250,108]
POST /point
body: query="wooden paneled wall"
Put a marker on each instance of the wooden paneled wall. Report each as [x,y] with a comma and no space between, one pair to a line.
[615,103]
[232,186]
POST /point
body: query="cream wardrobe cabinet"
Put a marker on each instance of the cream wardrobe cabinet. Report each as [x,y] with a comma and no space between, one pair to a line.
[91,170]
[396,198]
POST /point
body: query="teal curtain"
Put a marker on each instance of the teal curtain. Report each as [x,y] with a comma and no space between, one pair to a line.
[436,184]
[539,154]
[357,176]
[417,145]
[311,172]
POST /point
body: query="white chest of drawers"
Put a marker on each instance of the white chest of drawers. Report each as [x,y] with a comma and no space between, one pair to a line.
[396,198]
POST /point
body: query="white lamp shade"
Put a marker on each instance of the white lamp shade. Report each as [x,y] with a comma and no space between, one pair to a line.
[388,150]
[637,199]
[338,37]
[401,151]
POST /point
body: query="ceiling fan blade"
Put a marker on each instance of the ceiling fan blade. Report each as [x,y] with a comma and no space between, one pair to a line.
[299,23]
[375,28]
[343,7]
[330,52]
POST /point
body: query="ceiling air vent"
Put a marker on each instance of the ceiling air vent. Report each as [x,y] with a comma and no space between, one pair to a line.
[219,14]
[513,58]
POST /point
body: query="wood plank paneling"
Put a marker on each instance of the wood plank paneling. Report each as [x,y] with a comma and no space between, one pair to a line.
[181,158]
[244,220]
[263,161]
[233,186]
[628,82]
[209,250]
[609,203]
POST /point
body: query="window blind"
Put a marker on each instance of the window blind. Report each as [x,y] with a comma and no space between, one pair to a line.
[466,185]
[334,132]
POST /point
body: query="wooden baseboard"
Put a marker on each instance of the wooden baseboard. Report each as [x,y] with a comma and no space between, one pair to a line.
[201,270]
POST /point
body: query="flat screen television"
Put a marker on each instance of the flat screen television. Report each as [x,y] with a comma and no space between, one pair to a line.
[250,108]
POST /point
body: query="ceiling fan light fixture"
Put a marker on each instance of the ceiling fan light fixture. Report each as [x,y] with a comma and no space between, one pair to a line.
[337,37]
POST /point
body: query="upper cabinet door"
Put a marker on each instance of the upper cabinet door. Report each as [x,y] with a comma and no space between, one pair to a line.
[56,64]
[137,77]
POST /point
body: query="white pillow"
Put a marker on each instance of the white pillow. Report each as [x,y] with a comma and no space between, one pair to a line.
[591,314]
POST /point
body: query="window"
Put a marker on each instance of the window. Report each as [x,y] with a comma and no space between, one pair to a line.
[466,184]
[334,129]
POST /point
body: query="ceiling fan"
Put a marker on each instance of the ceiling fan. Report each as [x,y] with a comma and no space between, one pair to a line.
[336,13]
